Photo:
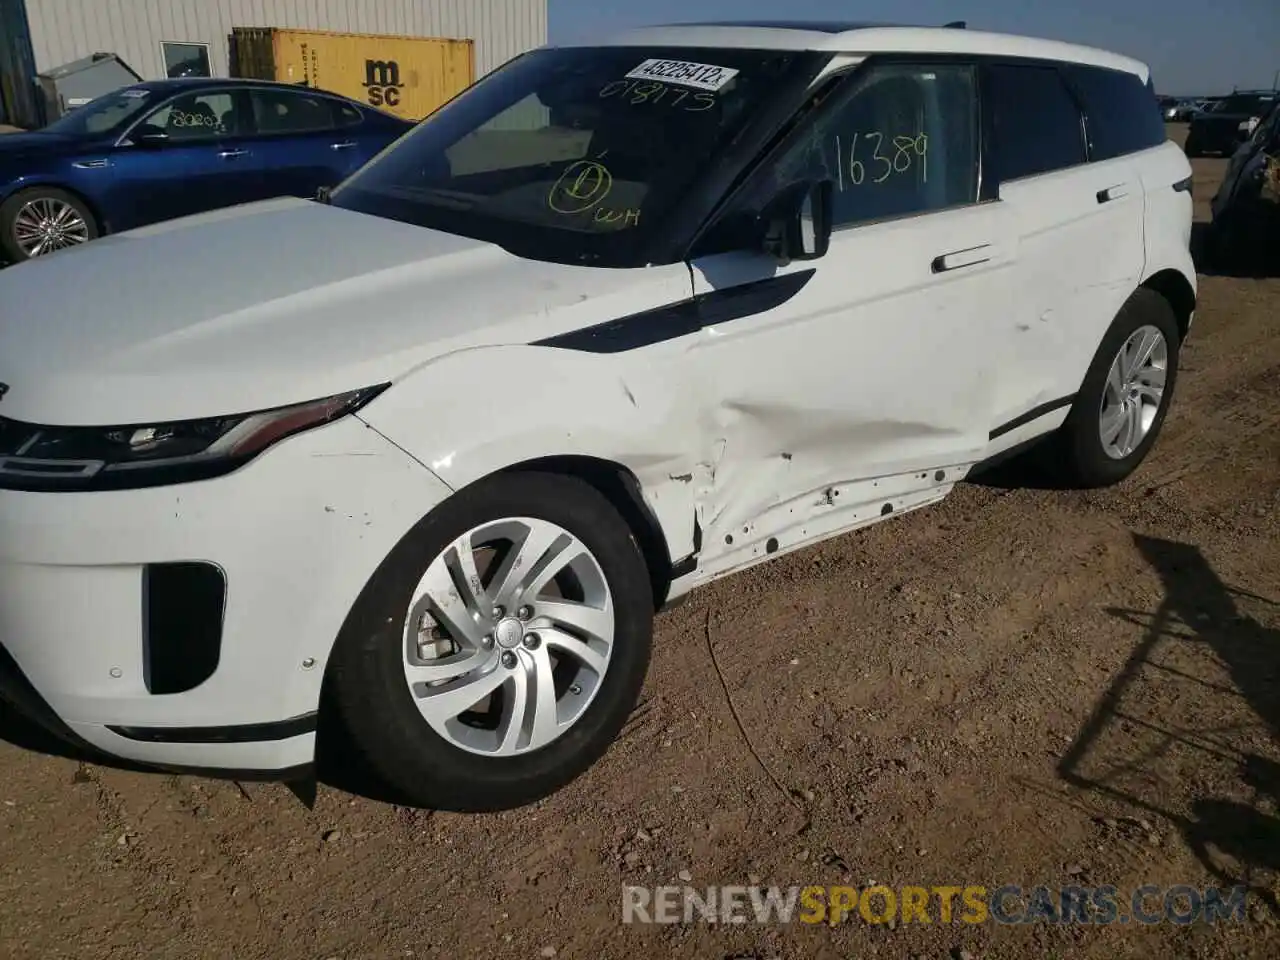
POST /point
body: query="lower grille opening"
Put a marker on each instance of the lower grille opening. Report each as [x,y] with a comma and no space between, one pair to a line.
[183,606]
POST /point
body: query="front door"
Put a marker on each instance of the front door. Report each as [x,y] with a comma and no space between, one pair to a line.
[192,154]
[867,386]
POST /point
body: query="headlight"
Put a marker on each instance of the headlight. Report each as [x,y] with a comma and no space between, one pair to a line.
[36,457]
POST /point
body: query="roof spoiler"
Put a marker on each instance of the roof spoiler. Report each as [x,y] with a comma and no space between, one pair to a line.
[956,25]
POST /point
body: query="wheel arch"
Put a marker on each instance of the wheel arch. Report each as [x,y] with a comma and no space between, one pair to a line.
[1178,291]
[625,493]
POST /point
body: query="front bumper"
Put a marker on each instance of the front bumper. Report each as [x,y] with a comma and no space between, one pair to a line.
[295,536]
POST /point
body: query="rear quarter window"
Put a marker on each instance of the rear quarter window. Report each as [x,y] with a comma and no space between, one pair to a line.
[1121,114]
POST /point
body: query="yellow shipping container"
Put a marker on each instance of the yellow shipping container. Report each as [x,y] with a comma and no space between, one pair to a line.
[408,76]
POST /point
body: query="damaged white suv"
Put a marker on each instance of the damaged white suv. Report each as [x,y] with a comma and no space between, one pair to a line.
[619,320]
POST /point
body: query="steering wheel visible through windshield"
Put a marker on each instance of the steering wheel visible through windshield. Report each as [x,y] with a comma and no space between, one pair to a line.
[571,154]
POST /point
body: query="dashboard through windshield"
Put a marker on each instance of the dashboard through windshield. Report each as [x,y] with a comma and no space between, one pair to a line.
[576,154]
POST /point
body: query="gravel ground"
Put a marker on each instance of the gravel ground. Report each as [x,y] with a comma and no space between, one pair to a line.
[1019,686]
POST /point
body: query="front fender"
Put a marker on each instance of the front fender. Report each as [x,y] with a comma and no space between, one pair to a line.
[476,412]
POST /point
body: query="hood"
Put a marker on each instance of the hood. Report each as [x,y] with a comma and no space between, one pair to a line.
[265,305]
[15,145]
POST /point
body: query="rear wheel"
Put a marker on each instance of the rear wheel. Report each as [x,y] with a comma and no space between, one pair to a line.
[43,220]
[500,648]
[1125,396]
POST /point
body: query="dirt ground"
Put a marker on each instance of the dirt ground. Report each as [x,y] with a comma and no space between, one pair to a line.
[1020,686]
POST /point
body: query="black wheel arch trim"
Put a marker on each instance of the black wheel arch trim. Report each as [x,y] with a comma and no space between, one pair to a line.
[1035,413]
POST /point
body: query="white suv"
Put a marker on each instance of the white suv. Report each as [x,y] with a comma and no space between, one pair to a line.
[619,320]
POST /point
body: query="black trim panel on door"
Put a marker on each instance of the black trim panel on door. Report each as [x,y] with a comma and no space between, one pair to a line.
[682,318]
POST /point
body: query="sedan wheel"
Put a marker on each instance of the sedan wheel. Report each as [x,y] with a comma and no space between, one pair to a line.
[43,221]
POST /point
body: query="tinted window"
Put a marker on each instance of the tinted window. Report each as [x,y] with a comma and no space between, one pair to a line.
[1121,115]
[197,116]
[902,141]
[278,111]
[348,116]
[1037,127]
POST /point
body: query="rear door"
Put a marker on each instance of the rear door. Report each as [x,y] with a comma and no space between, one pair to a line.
[1079,236]
[300,142]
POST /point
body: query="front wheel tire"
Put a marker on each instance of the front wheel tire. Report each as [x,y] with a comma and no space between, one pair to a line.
[498,651]
[1125,396]
[41,221]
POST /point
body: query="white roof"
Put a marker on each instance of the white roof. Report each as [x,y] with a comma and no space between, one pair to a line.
[866,40]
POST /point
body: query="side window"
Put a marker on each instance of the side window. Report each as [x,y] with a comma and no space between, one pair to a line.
[185,59]
[348,116]
[278,112]
[902,140]
[1121,114]
[195,117]
[1037,126]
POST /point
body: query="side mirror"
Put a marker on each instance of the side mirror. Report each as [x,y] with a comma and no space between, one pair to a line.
[798,222]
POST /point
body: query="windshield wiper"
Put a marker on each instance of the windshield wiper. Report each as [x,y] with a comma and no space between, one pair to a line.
[455,199]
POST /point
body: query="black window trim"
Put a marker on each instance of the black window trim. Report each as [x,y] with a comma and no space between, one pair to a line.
[1082,103]
[234,90]
[830,86]
[333,102]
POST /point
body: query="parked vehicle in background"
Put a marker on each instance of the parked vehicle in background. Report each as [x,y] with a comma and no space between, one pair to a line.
[162,149]
[1245,232]
[1220,128]
[737,289]
[1180,111]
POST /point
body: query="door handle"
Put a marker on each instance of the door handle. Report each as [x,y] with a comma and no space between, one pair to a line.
[968,257]
[342,146]
[89,164]
[1113,193]
[232,154]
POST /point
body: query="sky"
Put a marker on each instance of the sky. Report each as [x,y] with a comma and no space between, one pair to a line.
[1194,47]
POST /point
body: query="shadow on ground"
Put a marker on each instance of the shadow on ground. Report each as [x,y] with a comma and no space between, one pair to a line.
[1136,740]
[338,763]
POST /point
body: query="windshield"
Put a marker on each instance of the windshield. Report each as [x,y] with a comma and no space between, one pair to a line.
[105,114]
[574,155]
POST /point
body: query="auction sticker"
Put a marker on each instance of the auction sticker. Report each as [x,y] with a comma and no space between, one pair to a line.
[700,76]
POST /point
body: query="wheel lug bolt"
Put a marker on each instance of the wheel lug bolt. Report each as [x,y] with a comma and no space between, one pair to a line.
[532,641]
[499,613]
[525,612]
[487,641]
[509,660]
[575,689]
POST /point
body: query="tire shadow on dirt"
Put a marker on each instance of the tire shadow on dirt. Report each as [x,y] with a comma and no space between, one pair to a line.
[1135,740]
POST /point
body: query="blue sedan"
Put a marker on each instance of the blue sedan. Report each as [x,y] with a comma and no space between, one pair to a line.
[169,148]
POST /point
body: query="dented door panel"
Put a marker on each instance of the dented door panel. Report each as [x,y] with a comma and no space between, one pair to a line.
[879,366]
